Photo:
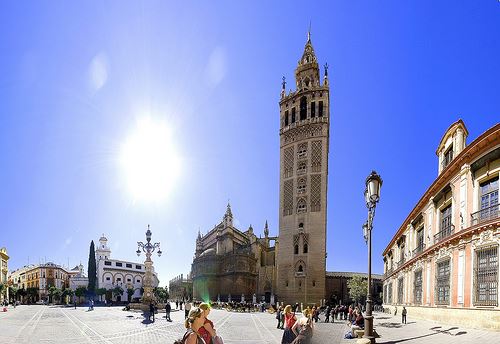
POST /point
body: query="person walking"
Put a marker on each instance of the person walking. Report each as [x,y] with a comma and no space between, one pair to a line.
[278,316]
[303,329]
[290,319]
[207,331]
[151,311]
[168,308]
[187,308]
[193,323]
[403,315]
[176,304]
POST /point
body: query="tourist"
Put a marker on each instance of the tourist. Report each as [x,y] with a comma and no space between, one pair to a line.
[403,315]
[303,329]
[176,304]
[151,311]
[207,331]
[168,308]
[193,323]
[358,323]
[279,313]
[187,308]
[290,320]
[327,314]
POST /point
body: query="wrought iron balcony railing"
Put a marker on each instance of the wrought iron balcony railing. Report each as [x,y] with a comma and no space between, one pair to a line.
[444,233]
[485,214]
[418,250]
[401,262]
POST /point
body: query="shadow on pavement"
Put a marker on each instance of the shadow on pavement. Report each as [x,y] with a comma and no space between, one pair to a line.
[406,339]
[390,325]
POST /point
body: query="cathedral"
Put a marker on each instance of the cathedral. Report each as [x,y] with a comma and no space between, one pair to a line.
[231,264]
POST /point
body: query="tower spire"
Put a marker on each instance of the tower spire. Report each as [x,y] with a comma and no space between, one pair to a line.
[309,32]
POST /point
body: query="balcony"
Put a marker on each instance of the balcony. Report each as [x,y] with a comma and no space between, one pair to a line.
[401,262]
[419,249]
[300,274]
[444,233]
[485,214]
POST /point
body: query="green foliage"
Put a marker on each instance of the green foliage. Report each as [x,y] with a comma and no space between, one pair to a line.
[161,294]
[32,293]
[92,269]
[80,291]
[117,291]
[358,288]
[130,292]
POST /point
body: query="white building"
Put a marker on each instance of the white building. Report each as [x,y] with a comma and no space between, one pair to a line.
[77,278]
[113,273]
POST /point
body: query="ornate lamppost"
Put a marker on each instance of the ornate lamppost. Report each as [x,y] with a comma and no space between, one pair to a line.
[148,248]
[372,196]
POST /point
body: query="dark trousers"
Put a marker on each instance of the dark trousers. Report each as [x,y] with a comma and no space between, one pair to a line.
[403,319]
[186,313]
[167,316]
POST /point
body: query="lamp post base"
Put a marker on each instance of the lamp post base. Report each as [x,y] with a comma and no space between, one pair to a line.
[366,340]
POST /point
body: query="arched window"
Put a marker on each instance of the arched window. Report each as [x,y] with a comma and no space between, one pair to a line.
[296,249]
[286,117]
[301,269]
[301,187]
[306,248]
[303,108]
[293,115]
[301,206]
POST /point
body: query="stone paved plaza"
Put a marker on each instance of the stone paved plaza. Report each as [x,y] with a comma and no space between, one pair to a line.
[47,324]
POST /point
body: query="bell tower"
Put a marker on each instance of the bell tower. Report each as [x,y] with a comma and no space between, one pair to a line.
[304,140]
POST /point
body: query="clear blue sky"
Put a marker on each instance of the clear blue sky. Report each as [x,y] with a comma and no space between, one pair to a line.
[75,79]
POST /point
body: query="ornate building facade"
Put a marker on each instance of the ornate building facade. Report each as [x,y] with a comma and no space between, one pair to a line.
[304,141]
[4,270]
[113,273]
[442,263]
[180,288]
[231,265]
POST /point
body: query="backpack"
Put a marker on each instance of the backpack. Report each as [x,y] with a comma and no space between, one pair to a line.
[181,340]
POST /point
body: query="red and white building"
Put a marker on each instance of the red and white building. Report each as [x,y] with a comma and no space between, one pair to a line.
[442,263]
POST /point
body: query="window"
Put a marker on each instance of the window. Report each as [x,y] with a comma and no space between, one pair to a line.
[118,264]
[445,227]
[314,283]
[296,249]
[420,241]
[489,200]
[320,109]
[286,117]
[302,167]
[400,290]
[301,187]
[313,109]
[417,287]
[486,277]
[293,115]
[302,150]
[129,280]
[442,292]
[128,265]
[305,248]
[107,262]
[138,281]
[108,278]
[448,157]
[389,293]
[301,206]
[301,269]
[118,279]
[303,108]
[138,267]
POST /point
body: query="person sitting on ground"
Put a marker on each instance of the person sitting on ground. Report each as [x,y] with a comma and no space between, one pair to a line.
[303,329]
[207,331]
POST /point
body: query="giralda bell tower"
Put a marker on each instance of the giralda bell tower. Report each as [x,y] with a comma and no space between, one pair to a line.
[304,137]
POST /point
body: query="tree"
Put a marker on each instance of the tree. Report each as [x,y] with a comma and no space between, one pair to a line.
[54,293]
[13,293]
[32,293]
[117,291]
[130,292]
[92,270]
[67,293]
[99,292]
[358,288]
[161,294]
[80,291]
[22,292]
[3,287]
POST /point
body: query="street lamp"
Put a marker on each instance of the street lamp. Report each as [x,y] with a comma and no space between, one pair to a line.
[148,248]
[372,196]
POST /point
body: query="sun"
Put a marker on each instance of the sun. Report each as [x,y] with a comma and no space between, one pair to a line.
[149,160]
